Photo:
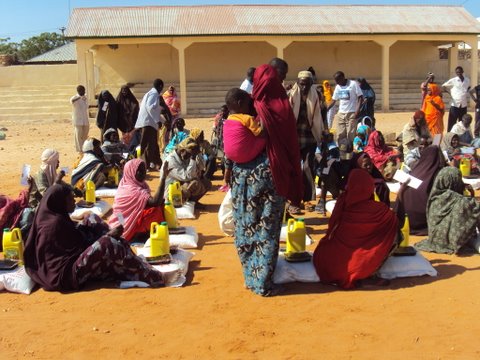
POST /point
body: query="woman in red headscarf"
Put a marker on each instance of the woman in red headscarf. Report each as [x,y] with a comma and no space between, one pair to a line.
[361,234]
[434,108]
[134,202]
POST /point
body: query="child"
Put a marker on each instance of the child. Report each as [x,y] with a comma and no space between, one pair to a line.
[180,134]
[361,140]
[451,146]
[462,129]
[412,156]
[113,149]
[326,157]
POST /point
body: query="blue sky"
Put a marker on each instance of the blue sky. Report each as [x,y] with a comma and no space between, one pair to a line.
[20,19]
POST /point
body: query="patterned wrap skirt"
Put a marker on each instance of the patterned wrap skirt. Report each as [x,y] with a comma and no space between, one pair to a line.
[257,214]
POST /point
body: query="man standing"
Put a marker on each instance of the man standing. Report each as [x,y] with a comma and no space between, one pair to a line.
[80,117]
[458,88]
[305,102]
[247,84]
[148,121]
[350,96]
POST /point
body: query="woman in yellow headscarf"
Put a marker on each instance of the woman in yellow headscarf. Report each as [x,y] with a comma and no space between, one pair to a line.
[327,94]
[434,108]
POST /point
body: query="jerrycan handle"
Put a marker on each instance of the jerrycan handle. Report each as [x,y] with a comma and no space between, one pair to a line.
[153,227]
[17,234]
[290,224]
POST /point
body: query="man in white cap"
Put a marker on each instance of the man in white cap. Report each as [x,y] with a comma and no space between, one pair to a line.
[305,101]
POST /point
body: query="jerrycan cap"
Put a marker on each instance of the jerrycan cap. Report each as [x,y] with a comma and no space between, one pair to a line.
[6,230]
[168,203]
[163,223]
[301,219]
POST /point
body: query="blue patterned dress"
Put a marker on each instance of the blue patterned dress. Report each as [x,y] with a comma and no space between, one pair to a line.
[257,213]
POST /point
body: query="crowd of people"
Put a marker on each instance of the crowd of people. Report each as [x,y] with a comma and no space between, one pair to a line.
[278,144]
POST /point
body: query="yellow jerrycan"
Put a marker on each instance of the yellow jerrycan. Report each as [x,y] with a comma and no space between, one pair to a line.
[90,192]
[465,167]
[170,215]
[112,177]
[138,152]
[375,197]
[175,194]
[296,235]
[405,232]
[159,241]
[13,245]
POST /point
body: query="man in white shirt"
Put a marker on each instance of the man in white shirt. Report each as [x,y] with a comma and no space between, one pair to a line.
[350,97]
[247,84]
[80,117]
[458,88]
[149,118]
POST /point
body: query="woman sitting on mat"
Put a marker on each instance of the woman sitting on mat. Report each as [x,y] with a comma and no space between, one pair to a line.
[134,202]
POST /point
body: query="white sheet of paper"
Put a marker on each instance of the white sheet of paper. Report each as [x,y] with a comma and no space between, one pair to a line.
[25,174]
[125,155]
[402,176]
[467,150]
[445,154]
[65,169]
[105,106]
[436,140]
[121,219]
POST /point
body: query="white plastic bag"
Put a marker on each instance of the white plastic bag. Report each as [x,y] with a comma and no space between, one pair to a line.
[100,208]
[187,211]
[406,266]
[225,215]
[105,192]
[187,240]
[287,272]
[283,236]
[16,280]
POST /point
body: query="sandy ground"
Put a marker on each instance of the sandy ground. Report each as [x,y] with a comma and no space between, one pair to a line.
[214,317]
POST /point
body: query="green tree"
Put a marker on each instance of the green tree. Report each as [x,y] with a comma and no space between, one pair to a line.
[6,47]
[39,44]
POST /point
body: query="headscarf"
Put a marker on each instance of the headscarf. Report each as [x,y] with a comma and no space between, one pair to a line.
[360,235]
[446,144]
[433,116]
[131,198]
[381,188]
[188,144]
[314,115]
[327,91]
[106,134]
[195,133]
[88,145]
[128,109]
[378,153]
[54,243]
[415,200]
[49,164]
[171,99]
[271,104]
[452,218]
[107,118]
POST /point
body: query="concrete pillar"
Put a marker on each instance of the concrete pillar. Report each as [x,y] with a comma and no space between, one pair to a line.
[181,45]
[474,63]
[386,44]
[452,59]
[85,70]
[90,75]
[280,45]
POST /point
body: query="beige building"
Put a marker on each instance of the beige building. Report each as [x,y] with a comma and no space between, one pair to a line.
[214,45]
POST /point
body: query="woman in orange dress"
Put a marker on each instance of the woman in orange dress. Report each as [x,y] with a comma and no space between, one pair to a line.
[434,108]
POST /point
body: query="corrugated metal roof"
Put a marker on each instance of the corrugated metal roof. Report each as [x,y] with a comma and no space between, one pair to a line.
[65,53]
[268,20]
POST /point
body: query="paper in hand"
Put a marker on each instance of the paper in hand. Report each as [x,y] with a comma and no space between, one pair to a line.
[25,174]
[121,219]
[402,177]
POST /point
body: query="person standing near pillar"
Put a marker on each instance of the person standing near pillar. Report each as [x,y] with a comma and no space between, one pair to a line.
[475,94]
[80,117]
[306,103]
[148,121]
[247,84]
[350,98]
[458,87]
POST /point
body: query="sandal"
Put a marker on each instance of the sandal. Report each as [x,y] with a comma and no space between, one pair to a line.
[294,210]
[309,207]
[320,207]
